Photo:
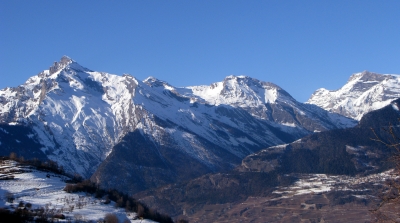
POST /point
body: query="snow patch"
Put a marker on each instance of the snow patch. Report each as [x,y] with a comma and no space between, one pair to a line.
[288,124]
[395,106]
[317,183]
[42,189]
[271,95]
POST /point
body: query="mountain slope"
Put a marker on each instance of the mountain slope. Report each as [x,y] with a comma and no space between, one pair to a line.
[337,173]
[77,115]
[41,193]
[341,151]
[195,135]
[81,118]
[267,101]
[363,92]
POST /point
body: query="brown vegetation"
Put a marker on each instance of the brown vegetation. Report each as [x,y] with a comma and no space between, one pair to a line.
[389,207]
[121,200]
[110,218]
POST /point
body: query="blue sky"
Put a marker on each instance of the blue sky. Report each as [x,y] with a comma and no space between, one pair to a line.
[298,45]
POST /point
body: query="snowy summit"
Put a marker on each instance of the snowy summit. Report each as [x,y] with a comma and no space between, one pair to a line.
[363,92]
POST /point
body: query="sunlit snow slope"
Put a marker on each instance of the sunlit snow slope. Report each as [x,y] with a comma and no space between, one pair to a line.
[363,92]
[77,115]
[45,190]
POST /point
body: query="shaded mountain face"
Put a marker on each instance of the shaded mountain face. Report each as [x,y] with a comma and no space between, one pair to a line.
[336,152]
[81,118]
[363,92]
[342,151]
[23,138]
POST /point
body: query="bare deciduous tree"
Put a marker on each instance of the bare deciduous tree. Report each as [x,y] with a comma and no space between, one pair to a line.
[140,211]
[110,218]
[13,156]
[10,197]
[388,209]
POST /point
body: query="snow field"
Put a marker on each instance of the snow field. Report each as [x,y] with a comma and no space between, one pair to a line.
[317,183]
[35,187]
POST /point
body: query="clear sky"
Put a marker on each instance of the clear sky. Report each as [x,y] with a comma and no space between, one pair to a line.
[299,45]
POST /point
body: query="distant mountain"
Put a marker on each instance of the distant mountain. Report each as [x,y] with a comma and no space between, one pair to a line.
[267,101]
[252,189]
[363,92]
[148,133]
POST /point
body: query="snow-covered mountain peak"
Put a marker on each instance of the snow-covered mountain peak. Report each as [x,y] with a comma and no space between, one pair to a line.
[366,76]
[243,81]
[358,75]
[75,111]
[262,100]
[154,82]
[65,62]
[150,79]
[233,77]
[363,92]
[240,91]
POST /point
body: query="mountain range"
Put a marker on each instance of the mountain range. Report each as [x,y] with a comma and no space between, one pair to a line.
[135,135]
[345,169]
[86,120]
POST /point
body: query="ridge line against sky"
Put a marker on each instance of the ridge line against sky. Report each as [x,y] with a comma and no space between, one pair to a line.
[299,45]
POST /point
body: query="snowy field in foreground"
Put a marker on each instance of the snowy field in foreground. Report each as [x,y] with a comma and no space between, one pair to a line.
[33,186]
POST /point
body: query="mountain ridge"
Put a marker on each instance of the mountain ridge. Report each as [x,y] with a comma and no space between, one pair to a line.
[79,116]
[135,135]
[363,92]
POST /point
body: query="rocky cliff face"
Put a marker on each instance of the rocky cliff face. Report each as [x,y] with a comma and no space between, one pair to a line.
[363,92]
[82,117]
